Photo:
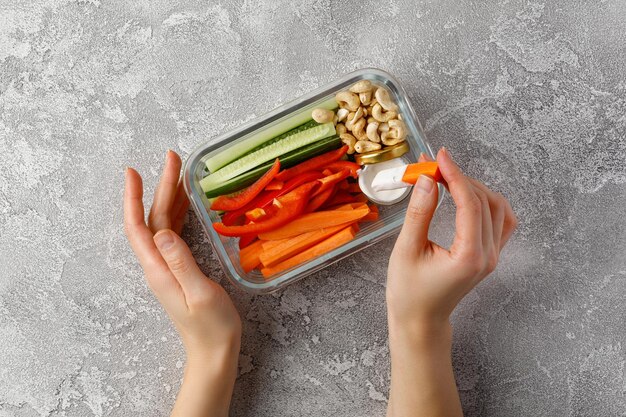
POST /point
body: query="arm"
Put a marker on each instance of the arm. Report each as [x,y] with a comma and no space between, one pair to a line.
[426,282]
[200,309]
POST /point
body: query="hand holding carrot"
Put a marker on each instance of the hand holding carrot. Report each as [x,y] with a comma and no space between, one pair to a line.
[201,310]
[426,282]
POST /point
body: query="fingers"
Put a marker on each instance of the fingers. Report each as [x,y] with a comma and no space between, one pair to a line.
[510,223]
[497,204]
[489,252]
[469,217]
[424,158]
[414,233]
[133,199]
[180,261]
[160,213]
[140,237]
[179,209]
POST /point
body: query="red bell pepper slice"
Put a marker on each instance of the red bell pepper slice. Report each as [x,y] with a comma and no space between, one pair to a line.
[275,185]
[330,180]
[237,201]
[354,188]
[266,197]
[337,166]
[317,201]
[246,240]
[340,197]
[293,204]
[316,163]
[255,214]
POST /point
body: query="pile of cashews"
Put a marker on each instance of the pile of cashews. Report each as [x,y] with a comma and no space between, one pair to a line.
[367,117]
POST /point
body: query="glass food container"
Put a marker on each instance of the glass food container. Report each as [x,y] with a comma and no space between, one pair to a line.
[390,217]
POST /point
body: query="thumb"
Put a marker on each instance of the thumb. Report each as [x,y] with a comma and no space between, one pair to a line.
[419,213]
[179,259]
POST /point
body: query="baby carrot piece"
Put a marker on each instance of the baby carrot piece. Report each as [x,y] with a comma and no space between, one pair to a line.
[314,221]
[291,246]
[249,256]
[413,171]
[372,216]
[325,246]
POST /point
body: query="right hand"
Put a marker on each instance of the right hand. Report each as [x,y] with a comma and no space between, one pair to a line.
[201,310]
[425,281]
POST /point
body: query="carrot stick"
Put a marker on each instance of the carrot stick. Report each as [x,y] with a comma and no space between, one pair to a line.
[327,245]
[372,216]
[317,200]
[413,171]
[291,246]
[347,206]
[249,256]
[313,221]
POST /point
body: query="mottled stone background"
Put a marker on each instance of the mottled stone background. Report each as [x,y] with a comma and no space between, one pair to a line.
[529,96]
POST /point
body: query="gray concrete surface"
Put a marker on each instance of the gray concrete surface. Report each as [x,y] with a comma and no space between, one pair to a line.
[530,96]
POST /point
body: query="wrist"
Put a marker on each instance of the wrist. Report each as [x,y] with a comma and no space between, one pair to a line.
[421,332]
[219,361]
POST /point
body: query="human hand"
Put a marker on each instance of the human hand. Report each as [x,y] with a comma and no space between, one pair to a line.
[425,281]
[201,310]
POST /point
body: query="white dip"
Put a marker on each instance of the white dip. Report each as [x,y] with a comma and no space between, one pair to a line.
[385,197]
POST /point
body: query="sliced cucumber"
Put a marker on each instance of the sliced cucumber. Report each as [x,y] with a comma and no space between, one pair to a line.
[288,160]
[267,153]
[306,126]
[228,155]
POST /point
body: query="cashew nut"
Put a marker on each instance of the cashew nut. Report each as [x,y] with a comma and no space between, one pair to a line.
[371,120]
[384,99]
[365,97]
[383,127]
[372,132]
[357,115]
[340,128]
[358,129]
[381,116]
[373,102]
[348,100]
[361,86]
[349,140]
[390,138]
[399,127]
[342,114]
[353,118]
[366,146]
[322,115]
[350,120]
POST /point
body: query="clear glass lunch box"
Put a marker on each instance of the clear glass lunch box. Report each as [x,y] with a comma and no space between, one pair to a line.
[390,217]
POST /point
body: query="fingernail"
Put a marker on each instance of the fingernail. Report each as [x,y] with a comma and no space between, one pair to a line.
[425,184]
[164,240]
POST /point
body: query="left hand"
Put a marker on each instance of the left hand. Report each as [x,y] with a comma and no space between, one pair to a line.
[201,310]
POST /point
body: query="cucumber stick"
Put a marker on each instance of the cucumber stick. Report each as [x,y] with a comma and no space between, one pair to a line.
[228,155]
[267,153]
[306,126]
[288,160]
